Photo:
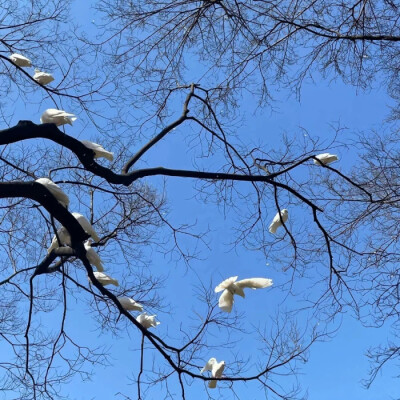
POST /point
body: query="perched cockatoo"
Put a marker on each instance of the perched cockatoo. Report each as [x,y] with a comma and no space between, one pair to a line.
[231,286]
[93,257]
[21,61]
[129,304]
[43,78]
[104,279]
[147,321]
[64,237]
[55,190]
[87,227]
[216,368]
[276,222]
[58,117]
[99,151]
[325,158]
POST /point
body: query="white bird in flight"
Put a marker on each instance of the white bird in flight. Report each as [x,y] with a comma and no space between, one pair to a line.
[276,222]
[216,368]
[87,227]
[231,286]
[58,117]
[21,61]
[128,303]
[325,158]
[104,279]
[93,257]
[99,151]
[147,321]
[55,190]
[43,78]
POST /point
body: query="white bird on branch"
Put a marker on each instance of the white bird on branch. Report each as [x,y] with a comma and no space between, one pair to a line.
[277,222]
[99,151]
[325,158]
[43,78]
[58,117]
[64,238]
[104,279]
[128,303]
[231,286]
[93,257]
[147,321]
[21,61]
[55,190]
[216,368]
[87,227]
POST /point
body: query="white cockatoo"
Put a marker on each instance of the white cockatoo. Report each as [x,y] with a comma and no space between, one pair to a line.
[129,304]
[104,279]
[55,190]
[43,78]
[216,368]
[325,158]
[147,321]
[21,61]
[87,227]
[64,237]
[276,222]
[231,286]
[99,151]
[58,117]
[93,257]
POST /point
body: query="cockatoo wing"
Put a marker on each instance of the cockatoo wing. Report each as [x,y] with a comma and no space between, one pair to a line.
[93,257]
[43,77]
[64,237]
[55,190]
[254,283]
[209,365]
[325,158]
[276,222]
[216,372]
[87,227]
[129,304]
[225,302]
[21,61]
[226,283]
[99,151]
[104,279]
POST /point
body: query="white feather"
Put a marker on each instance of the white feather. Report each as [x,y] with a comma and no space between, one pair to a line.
[276,222]
[58,117]
[129,304]
[64,237]
[104,279]
[55,190]
[147,321]
[43,78]
[99,151]
[325,158]
[87,227]
[21,61]
[93,257]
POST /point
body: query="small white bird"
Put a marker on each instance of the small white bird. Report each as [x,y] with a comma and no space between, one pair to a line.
[230,287]
[43,78]
[129,304]
[55,190]
[104,279]
[99,151]
[87,227]
[325,158]
[276,222]
[65,239]
[21,61]
[216,368]
[58,117]
[93,257]
[147,321]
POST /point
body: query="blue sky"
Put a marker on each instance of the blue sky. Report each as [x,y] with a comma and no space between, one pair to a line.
[336,367]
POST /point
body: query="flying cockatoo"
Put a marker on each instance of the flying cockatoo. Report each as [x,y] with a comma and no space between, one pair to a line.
[87,227]
[216,368]
[231,286]
[64,237]
[147,321]
[43,78]
[58,117]
[99,151]
[276,222]
[55,190]
[325,158]
[129,304]
[104,279]
[21,61]
[93,257]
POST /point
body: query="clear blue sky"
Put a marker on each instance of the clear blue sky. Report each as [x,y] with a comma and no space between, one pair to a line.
[336,367]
